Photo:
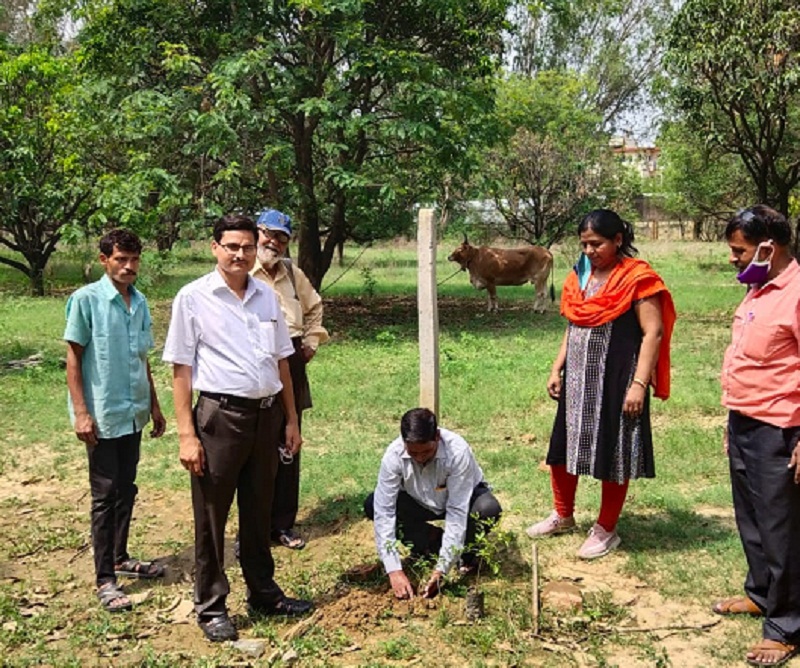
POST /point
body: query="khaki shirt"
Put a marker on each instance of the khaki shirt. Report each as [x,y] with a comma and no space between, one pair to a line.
[303,313]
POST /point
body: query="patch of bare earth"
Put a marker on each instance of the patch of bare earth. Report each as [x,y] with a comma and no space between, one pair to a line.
[362,616]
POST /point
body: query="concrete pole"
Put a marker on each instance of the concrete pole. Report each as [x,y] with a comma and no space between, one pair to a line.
[427,312]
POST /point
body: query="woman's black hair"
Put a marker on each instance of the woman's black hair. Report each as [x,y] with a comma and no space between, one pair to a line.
[608,224]
[759,223]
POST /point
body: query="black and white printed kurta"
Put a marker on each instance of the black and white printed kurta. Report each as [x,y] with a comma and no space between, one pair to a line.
[591,434]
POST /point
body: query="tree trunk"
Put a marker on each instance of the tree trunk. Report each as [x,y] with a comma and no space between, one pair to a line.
[169,231]
[309,256]
[36,275]
[782,202]
[797,242]
[337,235]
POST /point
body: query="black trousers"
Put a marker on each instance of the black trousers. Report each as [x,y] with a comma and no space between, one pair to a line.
[112,476]
[412,520]
[766,501]
[286,501]
[241,456]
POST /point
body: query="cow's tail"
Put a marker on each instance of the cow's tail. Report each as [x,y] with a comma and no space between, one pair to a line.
[552,279]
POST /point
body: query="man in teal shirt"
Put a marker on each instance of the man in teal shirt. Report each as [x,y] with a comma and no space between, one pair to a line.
[111,399]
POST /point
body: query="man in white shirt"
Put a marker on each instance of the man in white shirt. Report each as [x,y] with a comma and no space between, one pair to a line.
[429,474]
[228,340]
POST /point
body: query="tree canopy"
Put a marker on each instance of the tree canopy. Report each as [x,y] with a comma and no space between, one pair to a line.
[346,114]
[736,71]
[552,163]
[342,113]
[48,175]
[615,44]
[701,183]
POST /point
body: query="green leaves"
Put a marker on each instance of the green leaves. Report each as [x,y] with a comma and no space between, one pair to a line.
[615,44]
[552,164]
[341,112]
[735,85]
[48,175]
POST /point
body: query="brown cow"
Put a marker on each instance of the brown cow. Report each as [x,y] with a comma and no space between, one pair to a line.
[490,267]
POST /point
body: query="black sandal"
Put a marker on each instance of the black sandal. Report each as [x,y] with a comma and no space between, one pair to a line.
[290,539]
[146,570]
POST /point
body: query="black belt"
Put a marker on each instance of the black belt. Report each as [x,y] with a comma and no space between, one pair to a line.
[240,402]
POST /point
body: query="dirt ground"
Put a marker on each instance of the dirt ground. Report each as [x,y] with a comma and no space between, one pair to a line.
[356,622]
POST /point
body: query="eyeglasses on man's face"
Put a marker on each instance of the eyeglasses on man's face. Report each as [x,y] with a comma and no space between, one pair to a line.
[233,249]
[278,236]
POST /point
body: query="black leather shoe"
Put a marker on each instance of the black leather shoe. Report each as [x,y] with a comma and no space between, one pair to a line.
[219,629]
[288,607]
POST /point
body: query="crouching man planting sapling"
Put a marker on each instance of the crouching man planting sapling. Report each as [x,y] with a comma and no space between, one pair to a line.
[428,474]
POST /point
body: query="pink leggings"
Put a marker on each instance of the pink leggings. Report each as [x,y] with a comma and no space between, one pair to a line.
[612,498]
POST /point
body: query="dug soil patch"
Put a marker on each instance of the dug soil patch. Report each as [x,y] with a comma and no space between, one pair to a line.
[51,615]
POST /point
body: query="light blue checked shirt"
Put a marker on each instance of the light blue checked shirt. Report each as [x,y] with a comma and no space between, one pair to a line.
[115,342]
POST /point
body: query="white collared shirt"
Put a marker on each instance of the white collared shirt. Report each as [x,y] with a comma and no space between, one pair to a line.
[444,486]
[233,345]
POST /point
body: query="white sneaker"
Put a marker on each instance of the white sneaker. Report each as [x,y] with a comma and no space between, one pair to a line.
[599,543]
[553,525]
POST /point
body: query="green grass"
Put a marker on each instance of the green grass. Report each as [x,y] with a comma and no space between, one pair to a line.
[677,531]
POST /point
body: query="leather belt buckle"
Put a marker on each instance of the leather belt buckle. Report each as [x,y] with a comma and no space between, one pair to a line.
[266,402]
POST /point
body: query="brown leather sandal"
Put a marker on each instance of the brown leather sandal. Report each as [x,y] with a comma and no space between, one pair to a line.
[773,653]
[736,605]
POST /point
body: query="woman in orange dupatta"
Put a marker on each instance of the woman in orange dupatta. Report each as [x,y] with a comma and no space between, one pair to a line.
[615,348]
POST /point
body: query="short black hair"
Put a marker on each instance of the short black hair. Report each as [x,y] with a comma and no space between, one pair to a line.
[235,221]
[608,224]
[759,223]
[125,240]
[418,426]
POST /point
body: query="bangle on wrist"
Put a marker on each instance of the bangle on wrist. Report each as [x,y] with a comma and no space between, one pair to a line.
[639,381]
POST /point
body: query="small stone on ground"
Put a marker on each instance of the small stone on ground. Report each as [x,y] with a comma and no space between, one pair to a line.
[254,648]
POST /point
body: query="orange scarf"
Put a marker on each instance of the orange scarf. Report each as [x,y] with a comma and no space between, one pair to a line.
[630,280]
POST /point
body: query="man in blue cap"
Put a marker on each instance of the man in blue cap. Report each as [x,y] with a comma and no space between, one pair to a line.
[302,308]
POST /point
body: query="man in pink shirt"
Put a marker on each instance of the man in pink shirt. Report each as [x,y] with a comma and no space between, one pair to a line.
[761,389]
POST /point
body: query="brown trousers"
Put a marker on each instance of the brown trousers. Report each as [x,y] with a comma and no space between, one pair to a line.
[241,457]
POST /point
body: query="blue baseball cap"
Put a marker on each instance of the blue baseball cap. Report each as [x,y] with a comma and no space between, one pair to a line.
[272,219]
